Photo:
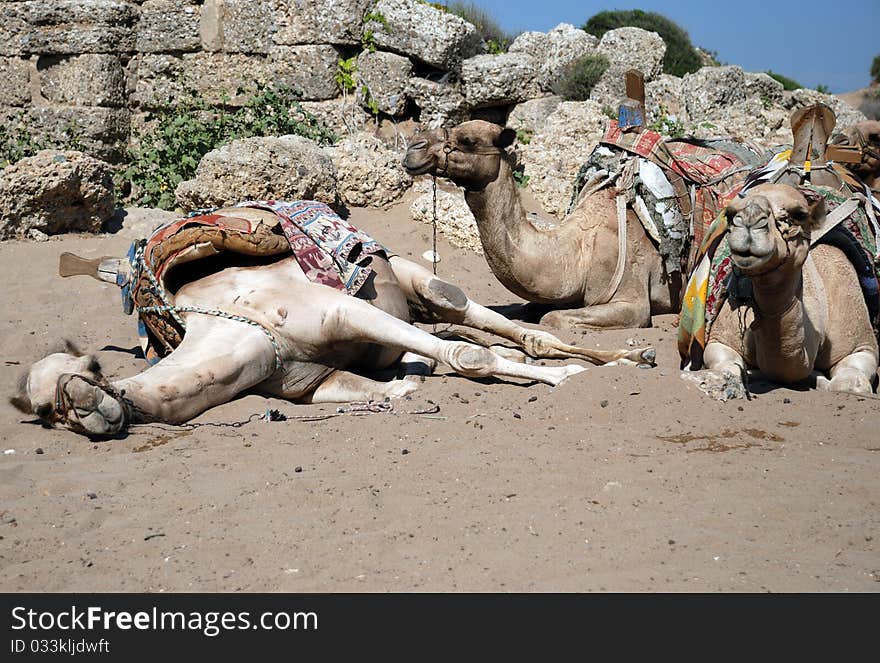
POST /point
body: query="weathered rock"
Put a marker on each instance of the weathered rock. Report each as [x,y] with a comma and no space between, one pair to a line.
[554,51]
[237,26]
[140,222]
[83,80]
[64,27]
[416,29]
[710,89]
[309,69]
[55,192]
[385,76]
[368,174]
[285,168]
[163,79]
[531,115]
[14,82]
[454,218]
[344,116]
[168,25]
[14,29]
[319,22]
[627,48]
[558,150]
[664,100]
[762,86]
[491,80]
[98,131]
[846,114]
[441,104]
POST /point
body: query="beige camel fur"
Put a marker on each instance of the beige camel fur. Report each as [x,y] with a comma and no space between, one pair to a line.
[865,135]
[323,337]
[569,265]
[809,314]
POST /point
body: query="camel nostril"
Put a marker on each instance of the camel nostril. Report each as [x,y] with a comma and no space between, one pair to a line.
[418,145]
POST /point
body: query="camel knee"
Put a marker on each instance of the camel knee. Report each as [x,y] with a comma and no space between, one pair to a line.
[470,360]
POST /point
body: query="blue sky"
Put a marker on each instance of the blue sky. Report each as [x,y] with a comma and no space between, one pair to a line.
[813,41]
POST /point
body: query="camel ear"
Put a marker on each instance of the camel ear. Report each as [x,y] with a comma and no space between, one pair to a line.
[817,212]
[21,404]
[734,207]
[505,138]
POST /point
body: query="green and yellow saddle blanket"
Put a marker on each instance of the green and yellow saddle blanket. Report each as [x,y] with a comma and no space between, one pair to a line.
[710,282]
[327,248]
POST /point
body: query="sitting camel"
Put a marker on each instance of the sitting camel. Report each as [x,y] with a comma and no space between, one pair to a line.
[865,136]
[263,322]
[598,267]
[807,313]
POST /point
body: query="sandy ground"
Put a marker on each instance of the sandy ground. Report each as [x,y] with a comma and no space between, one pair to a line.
[620,479]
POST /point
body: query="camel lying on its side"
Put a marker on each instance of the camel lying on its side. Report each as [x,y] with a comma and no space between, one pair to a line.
[305,343]
[809,313]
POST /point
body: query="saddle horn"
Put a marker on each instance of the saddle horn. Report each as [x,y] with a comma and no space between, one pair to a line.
[811,127]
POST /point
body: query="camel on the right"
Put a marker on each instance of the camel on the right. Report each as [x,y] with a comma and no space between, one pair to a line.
[798,296]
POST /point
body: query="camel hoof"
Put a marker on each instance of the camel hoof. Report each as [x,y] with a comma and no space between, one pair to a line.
[648,356]
[92,408]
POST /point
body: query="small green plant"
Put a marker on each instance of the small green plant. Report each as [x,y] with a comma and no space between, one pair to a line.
[667,124]
[368,39]
[17,141]
[788,84]
[520,177]
[824,89]
[524,136]
[610,113]
[182,134]
[580,77]
[875,69]
[681,57]
[346,69]
[495,38]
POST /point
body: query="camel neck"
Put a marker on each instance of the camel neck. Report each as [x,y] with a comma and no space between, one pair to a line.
[785,339]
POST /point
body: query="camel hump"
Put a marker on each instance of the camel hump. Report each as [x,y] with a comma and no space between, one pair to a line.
[102,269]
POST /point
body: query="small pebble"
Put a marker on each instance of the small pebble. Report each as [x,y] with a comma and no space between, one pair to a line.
[786,400]
[404,451]
[532,399]
[38,450]
[9,452]
[517,415]
[92,496]
[603,403]
[298,469]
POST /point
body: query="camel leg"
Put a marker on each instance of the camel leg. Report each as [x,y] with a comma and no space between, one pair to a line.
[854,373]
[351,319]
[613,315]
[345,387]
[448,303]
[216,360]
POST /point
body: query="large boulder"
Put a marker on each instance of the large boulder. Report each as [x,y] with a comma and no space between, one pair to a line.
[437,38]
[627,48]
[559,149]
[454,218]
[54,192]
[368,174]
[554,51]
[280,168]
[530,116]
[440,104]
[318,21]
[711,89]
[664,100]
[382,79]
[493,80]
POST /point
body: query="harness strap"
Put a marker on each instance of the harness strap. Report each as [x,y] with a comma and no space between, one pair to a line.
[606,296]
[842,212]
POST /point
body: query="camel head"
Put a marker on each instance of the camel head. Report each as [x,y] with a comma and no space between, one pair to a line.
[469,154]
[38,391]
[770,227]
[865,135]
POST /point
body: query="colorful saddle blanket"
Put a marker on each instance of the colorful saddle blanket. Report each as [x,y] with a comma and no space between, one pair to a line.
[702,177]
[328,249]
[711,280]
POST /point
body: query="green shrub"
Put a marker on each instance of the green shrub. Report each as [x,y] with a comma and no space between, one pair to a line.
[875,69]
[787,83]
[681,58]
[168,153]
[824,89]
[580,77]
